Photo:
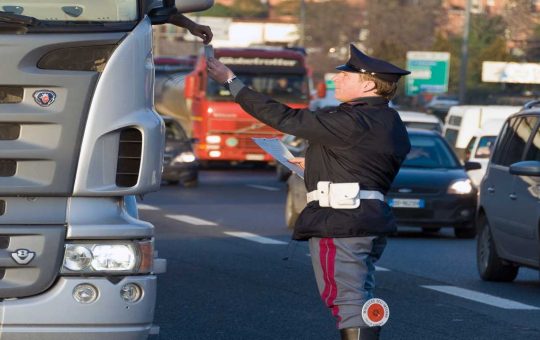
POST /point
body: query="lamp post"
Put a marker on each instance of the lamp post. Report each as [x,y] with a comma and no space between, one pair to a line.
[302,23]
[464,53]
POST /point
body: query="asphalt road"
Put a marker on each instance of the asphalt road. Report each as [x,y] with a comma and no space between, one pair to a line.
[222,283]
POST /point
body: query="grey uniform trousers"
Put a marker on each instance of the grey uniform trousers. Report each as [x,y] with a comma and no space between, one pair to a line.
[344,269]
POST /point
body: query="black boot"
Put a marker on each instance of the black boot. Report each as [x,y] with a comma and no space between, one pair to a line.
[363,333]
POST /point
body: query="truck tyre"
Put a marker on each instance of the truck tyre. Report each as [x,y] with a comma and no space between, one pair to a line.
[290,212]
[490,266]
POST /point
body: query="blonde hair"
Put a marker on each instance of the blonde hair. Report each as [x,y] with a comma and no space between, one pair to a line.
[383,88]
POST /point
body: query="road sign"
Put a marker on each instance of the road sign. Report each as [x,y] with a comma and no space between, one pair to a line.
[429,72]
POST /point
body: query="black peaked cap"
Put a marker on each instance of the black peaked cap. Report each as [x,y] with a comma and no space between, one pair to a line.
[360,63]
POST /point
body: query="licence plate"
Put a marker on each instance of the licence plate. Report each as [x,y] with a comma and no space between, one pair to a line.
[254,157]
[413,203]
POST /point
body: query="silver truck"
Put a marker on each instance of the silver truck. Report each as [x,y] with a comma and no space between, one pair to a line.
[78,138]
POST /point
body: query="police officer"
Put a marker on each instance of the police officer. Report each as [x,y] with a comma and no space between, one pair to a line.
[355,151]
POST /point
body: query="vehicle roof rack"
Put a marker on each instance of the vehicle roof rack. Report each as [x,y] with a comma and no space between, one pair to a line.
[531,104]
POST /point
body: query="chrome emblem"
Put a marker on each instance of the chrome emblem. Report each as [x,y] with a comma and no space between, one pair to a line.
[23,256]
[405,190]
[44,97]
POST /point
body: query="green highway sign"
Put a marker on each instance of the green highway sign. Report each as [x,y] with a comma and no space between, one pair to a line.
[429,72]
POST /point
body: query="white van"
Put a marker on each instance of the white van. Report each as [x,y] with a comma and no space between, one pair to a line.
[463,121]
[480,147]
[421,120]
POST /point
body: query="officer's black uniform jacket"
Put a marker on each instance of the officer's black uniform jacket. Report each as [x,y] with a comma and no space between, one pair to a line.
[363,141]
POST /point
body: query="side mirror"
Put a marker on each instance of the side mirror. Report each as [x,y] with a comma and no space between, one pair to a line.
[187,6]
[472,166]
[189,87]
[526,168]
[159,11]
[321,90]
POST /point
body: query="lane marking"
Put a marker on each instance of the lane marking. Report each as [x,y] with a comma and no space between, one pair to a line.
[381,269]
[190,220]
[253,237]
[263,187]
[146,207]
[482,297]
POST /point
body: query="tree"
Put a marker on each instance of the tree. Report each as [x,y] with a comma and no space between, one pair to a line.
[250,9]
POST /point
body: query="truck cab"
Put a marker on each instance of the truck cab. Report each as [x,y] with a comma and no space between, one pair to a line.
[78,138]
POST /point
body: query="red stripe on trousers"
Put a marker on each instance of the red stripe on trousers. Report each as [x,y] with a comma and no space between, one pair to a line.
[328,259]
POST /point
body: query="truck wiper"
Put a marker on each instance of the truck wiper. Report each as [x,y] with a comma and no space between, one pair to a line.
[18,19]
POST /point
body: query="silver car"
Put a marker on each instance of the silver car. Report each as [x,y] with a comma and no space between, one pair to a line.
[508,217]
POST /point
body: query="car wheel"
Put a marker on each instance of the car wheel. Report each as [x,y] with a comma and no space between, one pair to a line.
[490,266]
[466,231]
[191,183]
[290,212]
[175,182]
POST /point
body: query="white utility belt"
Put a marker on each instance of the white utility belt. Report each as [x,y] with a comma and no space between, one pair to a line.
[341,195]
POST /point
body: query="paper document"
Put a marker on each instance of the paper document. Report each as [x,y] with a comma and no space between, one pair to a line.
[279,151]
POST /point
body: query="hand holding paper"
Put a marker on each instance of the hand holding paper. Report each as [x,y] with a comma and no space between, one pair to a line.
[279,151]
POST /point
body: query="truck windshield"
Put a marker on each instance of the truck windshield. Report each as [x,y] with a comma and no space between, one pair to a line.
[67,12]
[287,88]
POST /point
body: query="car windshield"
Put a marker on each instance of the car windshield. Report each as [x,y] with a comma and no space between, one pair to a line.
[64,11]
[429,152]
[289,88]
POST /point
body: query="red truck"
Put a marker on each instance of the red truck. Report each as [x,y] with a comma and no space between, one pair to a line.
[223,129]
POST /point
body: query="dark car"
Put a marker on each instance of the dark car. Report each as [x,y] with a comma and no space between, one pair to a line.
[509,207]
[179,162]
[432,189]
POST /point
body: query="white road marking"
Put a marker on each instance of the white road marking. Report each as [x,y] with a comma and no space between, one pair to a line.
[253,237]
[381,269]
[263,187]
[190,220]
[146,207]
[482,297]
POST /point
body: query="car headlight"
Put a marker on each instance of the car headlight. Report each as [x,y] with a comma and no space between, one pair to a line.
[108,257]
[461,187]
[184,157]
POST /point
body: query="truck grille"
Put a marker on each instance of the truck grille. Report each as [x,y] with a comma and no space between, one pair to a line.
[129,158]
[44,245]
[9,131]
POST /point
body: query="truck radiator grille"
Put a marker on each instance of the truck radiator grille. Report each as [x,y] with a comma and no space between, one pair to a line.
[8,167]
[30,258]
[129,158]
[11,94]
[9,131]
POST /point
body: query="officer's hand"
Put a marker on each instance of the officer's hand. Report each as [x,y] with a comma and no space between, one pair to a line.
[203,32]
[218,71]
[300,161]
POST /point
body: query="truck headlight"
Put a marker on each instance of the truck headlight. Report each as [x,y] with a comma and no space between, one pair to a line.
[213,139]
[461,187]
[108,257]
[184,157]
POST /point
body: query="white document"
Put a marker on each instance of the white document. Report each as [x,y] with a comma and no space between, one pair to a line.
[279,151]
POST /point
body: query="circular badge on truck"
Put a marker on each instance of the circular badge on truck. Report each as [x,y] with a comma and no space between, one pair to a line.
[375,312]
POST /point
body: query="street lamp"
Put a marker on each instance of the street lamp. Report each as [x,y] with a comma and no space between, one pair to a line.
[464,53]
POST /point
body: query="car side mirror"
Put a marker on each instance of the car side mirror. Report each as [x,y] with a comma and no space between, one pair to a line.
[526,168]
[159,11]
[472,166]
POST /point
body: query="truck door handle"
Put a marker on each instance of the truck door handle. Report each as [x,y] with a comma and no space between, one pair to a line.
[512,196]
[491,190]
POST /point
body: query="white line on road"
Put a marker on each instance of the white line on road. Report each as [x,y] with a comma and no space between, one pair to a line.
[146,207]
[381,269]
[190,219]
[253,237]
[482,297]
[263,187]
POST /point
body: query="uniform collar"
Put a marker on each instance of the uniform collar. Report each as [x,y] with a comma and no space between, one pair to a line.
[370,101]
